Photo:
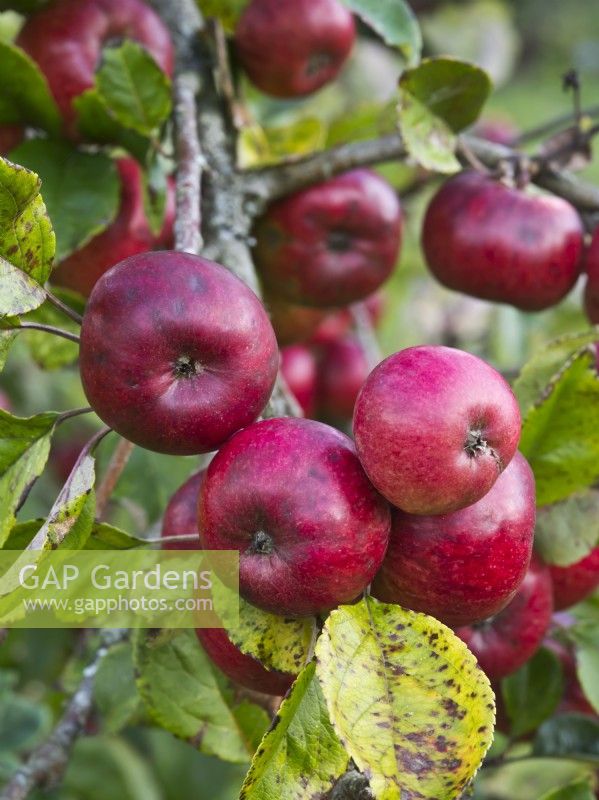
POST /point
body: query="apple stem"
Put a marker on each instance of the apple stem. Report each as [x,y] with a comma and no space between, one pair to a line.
[36,326]
[57,303]
[75,412]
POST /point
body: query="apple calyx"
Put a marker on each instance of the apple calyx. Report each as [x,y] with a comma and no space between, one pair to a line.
[186,367]
[262,544]
[477,445]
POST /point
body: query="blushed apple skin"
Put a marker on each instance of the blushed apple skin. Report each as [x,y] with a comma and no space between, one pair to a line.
[465,566]
[293,49]
[591,289]
[506,641]
[573,583]
[331,244]
[342,370]
[181,514]
[66,38]
[298,366]
[291,496]
[127,235]
[239,667]
[434,428]
[176,352]
[490,241]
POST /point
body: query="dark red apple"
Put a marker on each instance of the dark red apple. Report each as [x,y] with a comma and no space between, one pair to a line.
[330,244]
[66,39]
[291,496]
[498,243]
[292,49]
[176,352]
[434,428]
[293,323]
[465,566]
[505,642]
[298,366]
[181,515]
[10,137]
[591,291]
[127,235]
[342,370]
[573,583]
[239,667]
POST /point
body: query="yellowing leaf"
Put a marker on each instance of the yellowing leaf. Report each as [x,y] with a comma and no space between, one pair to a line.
[406,698]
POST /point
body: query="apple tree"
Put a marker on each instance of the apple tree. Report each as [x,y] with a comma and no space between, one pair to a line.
[202,211]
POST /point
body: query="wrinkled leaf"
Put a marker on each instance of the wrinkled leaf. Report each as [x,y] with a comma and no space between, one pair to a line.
[24,449]
[71,518]
[567,531]
[560,436]
[18,292]
[182,693]
[26,236]
[25,96]
[571,736]
[546,362]
[81,190]
[134,88]
[532,694]
[439,98]
[406,698]
[300,756]
[395,23]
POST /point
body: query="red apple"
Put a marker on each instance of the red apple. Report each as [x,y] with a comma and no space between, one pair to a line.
[181,515]
[293,323]
[292,49]
[176,352]
[505,642]
[127,235]
[291,496]
[298,366]
[573,583]
[66,39]
[498,129]
[239,667]
[488,240]
[330,244]
[591,291]
[10,137]
[434,428]
[465,566]
[342,370]
[337,324]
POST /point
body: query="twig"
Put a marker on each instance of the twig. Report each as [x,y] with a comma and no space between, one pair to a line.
[551,125]
[224,79]
[188,236]
[365,334]
[57,303]
[117,464]
[180,537]
[47,764]
[36,326]
[75,412]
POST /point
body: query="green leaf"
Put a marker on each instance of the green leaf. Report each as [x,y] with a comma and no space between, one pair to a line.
[26,236]
[107,537]
[115,691]
[252,721]
[81,190]
[21,534]
[6,340]
[258,146]
[134,88]
[406,698]
[96,124]
[439,98]
[567,531]
[279,643]
[24,448]
[395,23]
[18,293]
[547,361]
[532,694]
[560,436]
[51,352]
[571,736]
[23,6]
[183,693]
[587,670]
[23,722]
[300,756]
[362,123]
[579,790]
[71,518]
[227,11]
[25,96]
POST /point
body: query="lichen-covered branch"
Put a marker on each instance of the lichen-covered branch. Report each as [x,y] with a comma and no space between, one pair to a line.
[47,764]
[188,236]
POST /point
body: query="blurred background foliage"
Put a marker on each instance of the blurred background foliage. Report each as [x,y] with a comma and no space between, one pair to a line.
[526,45]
